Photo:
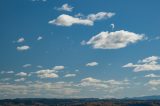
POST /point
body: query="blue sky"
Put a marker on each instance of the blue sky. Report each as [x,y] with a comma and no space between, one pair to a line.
[79,48]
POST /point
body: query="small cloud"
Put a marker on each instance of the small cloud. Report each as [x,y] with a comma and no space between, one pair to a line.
[5,79]
[20,40]
[10,72]
[7,72]
[39,0]
[57,68]
[83,42]
[47,73]
[113,26]
[40,38]
[70,75]
[21,74]
[20,79]
[26,65]
[91,64]
[23,48]
[39,66]
[152,76]
[65,7]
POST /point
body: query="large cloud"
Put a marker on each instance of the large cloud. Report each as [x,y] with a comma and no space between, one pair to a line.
[67,20]
[147,64]
[114,40]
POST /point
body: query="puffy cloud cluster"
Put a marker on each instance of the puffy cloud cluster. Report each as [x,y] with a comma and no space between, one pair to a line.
[49,73]
[110,86]
[114,40]
[147,64]
[67,20]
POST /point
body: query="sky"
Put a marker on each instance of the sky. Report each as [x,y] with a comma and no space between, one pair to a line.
[79,48]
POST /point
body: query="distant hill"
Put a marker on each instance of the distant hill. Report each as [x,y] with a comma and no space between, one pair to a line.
[154,97]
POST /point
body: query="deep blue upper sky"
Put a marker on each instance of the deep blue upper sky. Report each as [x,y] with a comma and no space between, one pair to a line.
[42,59]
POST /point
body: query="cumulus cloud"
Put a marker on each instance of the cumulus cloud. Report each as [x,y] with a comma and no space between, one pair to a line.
[114,40]
[70,75]
[39,38]
[20,40]
[91,64]
[65,7]
[152,76]
[23,48]
[67,20]
[147,64]
[21,74]
[26,65]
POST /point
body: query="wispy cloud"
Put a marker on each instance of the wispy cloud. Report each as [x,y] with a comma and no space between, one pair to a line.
[65,7]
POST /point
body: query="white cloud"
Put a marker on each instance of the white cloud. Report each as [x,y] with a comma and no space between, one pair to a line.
[65,7]
[152,76]
[109,86]
[23,48]
[70,75]
[91,64]
[20,40]
[47,73]
[67,20]
[100,16]
[147,64]
[114,40]
[20,79]
[39,38]
[21,74]
[26,65]
[57,68]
